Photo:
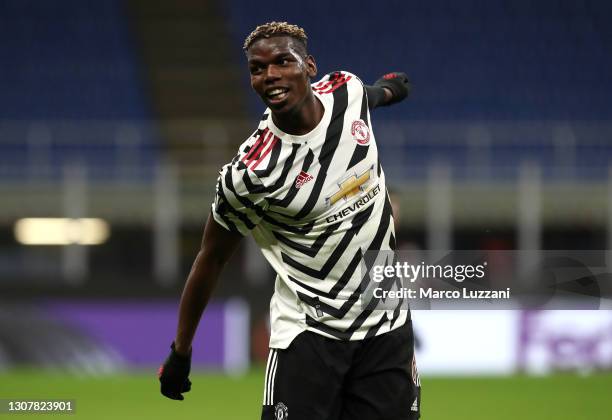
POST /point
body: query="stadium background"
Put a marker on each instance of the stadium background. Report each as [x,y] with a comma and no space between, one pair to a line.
[124,111]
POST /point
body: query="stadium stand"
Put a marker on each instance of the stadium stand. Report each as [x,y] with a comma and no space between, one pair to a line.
[68,60]
[472,59]
[478,67]
[74,61]
[495,83]
[190,63]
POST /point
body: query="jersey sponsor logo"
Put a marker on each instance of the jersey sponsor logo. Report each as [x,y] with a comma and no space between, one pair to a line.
[360,132]
[281,412]
[302,178]
[355,206]
[351,186]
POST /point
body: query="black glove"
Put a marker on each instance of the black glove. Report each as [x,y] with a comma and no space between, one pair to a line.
[397,83]
[174,375]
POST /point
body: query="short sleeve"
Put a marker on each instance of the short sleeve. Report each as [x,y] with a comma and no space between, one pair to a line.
[240,199]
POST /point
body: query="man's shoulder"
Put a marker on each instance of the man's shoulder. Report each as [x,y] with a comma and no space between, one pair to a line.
[256,156]
[258,136]
[332,81]
[338,74]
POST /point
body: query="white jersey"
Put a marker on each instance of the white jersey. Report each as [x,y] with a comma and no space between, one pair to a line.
[314,204]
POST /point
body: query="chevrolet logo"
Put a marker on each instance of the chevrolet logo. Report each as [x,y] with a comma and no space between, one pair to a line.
[350,187]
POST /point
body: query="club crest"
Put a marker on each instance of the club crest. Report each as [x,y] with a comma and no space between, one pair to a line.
[360,132]
[281,412]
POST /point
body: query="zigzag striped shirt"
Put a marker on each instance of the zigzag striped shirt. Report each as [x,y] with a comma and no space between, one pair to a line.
[314,204]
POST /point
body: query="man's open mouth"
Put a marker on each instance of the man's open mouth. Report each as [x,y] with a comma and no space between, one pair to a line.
[277,94]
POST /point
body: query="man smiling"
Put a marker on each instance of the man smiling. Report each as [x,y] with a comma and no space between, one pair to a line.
[308,186]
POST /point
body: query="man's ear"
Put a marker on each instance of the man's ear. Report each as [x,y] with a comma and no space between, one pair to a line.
[311,65]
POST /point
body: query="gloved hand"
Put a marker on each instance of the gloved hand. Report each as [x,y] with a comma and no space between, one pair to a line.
[174,375]
[398,83]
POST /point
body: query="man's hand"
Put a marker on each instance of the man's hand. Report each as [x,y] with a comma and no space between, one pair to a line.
[174,375]
[397,84]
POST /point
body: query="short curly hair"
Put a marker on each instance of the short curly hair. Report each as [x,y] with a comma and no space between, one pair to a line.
[270,29]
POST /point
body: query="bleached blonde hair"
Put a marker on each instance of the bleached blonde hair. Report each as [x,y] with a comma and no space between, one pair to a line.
[270,29]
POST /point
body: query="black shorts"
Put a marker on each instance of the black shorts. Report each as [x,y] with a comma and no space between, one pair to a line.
[318,378]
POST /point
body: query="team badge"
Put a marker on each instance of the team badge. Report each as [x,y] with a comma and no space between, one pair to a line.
[302,178]
[281,412]
[360,132]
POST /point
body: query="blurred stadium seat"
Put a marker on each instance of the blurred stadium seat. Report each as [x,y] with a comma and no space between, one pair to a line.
[71,82]
[471,60]
[476,63]
[68,60]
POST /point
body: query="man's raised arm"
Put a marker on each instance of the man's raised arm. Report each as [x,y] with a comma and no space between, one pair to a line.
[218,244]
[389,89]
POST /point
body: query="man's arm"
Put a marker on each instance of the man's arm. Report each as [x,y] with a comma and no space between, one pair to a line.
[218,244]
[389,89]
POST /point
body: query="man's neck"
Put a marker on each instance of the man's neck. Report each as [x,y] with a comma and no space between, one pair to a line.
[302,121]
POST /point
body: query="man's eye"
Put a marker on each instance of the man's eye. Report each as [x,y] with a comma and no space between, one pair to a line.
[255,69]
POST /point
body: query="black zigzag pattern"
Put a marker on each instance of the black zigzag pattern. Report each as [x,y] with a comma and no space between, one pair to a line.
[293,190]
[332,139]
[316,246]
[357,222]
[276,151]
[365,314]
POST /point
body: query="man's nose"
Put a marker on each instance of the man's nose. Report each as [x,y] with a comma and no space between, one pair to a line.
[272,73]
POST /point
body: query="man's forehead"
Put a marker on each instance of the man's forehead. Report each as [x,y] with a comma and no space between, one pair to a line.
[279,44]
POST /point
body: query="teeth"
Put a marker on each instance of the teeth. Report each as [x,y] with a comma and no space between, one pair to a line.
[275,92]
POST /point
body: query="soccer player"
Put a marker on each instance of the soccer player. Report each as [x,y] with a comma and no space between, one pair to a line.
[309,187]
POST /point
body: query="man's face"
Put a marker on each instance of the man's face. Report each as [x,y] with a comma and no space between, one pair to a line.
[280,72]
